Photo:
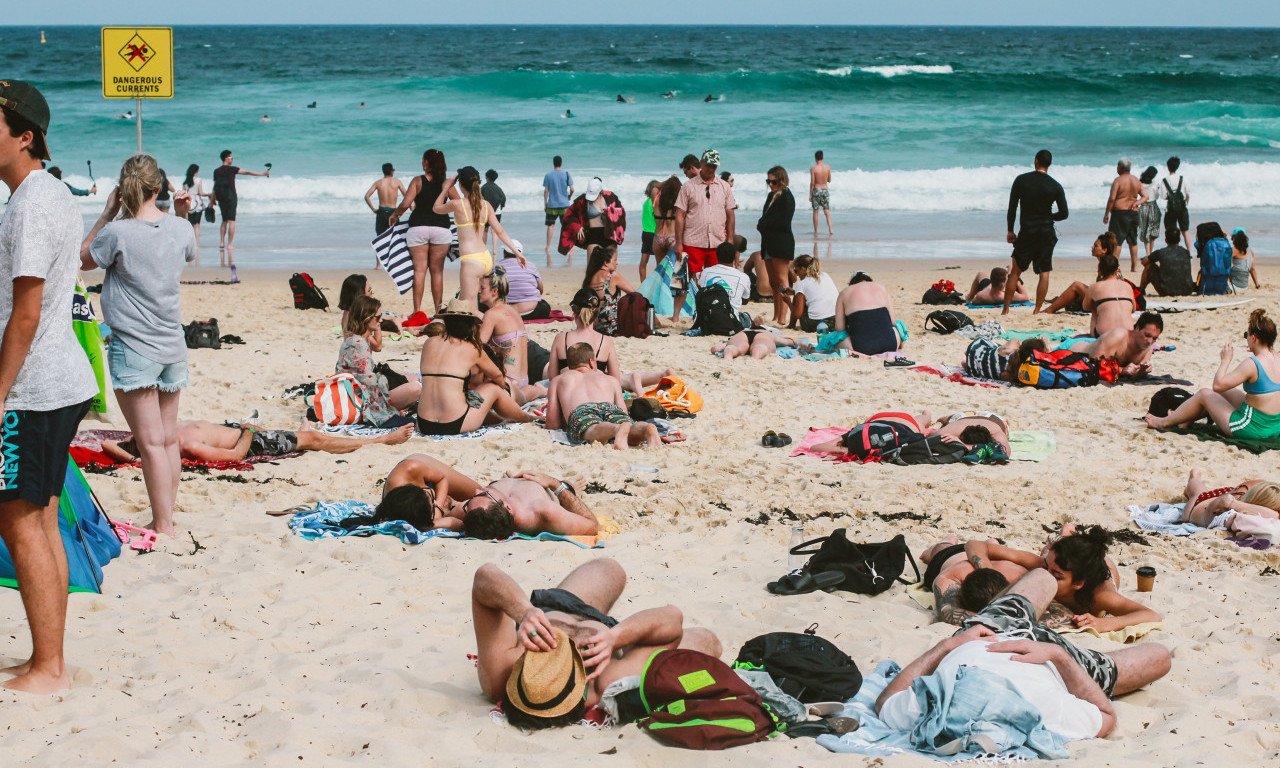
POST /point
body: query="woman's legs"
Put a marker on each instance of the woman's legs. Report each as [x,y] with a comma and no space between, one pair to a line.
[736,345]
[637,382]
[435,263]
[1075,292]
[469,273]
[498,402]
[405,395]
[763,346]
[1205,401]
[779,279]
[146,411]
[419,255]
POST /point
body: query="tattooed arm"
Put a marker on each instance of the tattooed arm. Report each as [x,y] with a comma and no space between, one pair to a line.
[946,597]
[1058,616]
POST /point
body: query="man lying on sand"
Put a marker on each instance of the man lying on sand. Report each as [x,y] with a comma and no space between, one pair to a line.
[589,406]
[990,289]
[959,589]
[206,441]
[988,359]
[426,493]
[547,656]
[1070,687]
[1131,348]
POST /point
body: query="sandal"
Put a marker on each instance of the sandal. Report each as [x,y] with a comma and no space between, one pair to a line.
[782,440]
[123,531]
[802,582]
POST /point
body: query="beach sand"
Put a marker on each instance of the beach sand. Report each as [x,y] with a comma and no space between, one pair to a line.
[239,643]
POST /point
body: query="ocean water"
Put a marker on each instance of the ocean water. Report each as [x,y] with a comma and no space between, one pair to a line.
[924,127]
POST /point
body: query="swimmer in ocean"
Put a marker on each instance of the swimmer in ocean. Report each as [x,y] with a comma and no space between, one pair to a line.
[568,113]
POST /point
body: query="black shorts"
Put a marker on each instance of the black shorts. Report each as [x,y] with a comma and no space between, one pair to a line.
[34,447]
[1124,225]
[194,218]
[228,208]
[272,442]
[1034,248]
[646,243]
[1177,219]
[381,220]
[940,559]
[564,601]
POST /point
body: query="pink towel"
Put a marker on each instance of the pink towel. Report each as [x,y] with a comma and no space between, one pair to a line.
[817,435]
[556,317]
[958,375]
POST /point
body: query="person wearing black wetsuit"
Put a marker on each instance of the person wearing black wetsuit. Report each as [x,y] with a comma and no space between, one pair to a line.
[1038,193]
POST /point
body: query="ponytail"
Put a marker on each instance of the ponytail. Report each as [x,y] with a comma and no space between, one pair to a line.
[140,180]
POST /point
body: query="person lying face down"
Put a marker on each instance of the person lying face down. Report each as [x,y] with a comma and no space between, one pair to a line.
[206,441]
[898,428]
[426,493]
[988,359]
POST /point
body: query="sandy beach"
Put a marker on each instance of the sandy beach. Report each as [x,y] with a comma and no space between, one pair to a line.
[239,643]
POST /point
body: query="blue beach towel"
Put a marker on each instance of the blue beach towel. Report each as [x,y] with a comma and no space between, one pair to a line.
[971,305]
[657,289]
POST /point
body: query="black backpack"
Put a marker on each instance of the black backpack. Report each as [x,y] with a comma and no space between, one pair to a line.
[931,450]
[713,312]
[1177,201]
[934,296]
[306,294]
[805,667]
[946,321]
[1167,400]
[868,569]
[202,335]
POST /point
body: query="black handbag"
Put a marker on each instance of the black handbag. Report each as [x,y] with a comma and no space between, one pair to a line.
[868,569]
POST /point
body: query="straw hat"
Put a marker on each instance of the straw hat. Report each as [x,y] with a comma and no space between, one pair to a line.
[459,308]
[548,683]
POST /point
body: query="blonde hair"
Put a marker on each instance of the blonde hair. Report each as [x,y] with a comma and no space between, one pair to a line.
[1264,495]
[140,179]
[362,310]
[811,263]
[498,282]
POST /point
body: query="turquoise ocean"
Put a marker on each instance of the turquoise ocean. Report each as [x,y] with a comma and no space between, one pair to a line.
[924,127]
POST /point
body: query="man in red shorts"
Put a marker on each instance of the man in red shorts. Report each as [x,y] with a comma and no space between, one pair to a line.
[704,215]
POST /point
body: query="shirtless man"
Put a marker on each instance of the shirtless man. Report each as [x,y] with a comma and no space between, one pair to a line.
[1131,348]
[989,289]
[819,194]
[588,405]
[957,423]
[570,625]
[865,311]
[390,191]
[960,589]
[206,441]
[1127,193]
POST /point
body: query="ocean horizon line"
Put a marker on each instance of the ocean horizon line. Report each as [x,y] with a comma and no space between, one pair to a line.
[518,25]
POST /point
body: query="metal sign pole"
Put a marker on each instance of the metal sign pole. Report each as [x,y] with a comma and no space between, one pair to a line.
[138,117]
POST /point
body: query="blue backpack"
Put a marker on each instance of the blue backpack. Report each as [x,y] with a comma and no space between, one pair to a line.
[1215,258]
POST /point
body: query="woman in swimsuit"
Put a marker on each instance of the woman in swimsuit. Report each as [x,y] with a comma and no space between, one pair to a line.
[757,342]
[446,365]
[864,311]
[603,278]
[586,309]
[1252,497]
[428,237]
[1073,298]
[1244,401]
[382,401]
[472,213]
[503,330]
[1110,299]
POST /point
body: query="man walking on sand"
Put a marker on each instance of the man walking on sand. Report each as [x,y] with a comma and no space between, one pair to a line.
[1037,193]
[389,190]
[588,405]
[1127,193]
[557,191]
[46,383]
[224,195]
[819,194]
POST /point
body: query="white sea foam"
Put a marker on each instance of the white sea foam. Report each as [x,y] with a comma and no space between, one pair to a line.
[895,70]
[837,72]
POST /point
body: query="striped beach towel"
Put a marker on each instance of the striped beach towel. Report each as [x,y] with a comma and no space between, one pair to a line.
[393,255]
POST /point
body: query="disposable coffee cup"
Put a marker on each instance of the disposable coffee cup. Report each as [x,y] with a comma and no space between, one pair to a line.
[1146,578]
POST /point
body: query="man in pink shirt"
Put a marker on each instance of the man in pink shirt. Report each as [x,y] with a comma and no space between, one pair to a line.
[704,215]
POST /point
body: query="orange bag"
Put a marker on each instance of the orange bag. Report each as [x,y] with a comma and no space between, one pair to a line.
[675,395]
[339,400]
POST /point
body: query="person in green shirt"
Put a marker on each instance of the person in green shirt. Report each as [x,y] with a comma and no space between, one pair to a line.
[647,225]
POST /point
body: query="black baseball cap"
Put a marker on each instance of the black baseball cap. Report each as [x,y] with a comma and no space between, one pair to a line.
[26,100]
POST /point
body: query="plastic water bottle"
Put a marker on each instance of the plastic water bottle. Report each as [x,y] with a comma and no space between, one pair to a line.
[822,328]
[797,538]
[234,278]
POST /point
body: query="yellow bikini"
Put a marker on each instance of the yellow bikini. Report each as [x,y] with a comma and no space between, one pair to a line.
[483,258]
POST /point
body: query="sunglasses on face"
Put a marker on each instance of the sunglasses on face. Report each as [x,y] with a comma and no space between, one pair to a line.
[772,182]
[491,497]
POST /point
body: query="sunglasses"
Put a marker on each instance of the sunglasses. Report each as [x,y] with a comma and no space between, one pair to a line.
[484,492]
[708,189]
[772,182]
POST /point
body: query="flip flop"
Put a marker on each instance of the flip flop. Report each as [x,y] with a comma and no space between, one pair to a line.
[836,726]
[826,708]
[801,582]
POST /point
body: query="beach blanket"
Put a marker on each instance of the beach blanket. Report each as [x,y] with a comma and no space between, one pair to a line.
[657,289]
[393,255]
[556,316]
[971,305]
[1174,305]
[1031,445]
[959,375]
[364,430]
[1211,432]
[1062,335]
[323,522]
[86,451]
[1167,518]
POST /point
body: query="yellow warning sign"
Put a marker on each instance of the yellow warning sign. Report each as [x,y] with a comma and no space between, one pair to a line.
[137,62]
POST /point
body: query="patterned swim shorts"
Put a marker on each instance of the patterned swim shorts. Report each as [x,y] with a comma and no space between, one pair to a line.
[822,199]
[1011,617]
[588,415]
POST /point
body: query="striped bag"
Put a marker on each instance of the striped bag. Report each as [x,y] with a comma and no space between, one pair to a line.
[393,255]
[339,400]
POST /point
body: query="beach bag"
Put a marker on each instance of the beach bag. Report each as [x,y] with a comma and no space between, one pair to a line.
[645,408]
[676,396]
[339,400]
[930,450]
[1061,369]
[942,292]
[306,294]
[1177,202]
[696,701]
[203,334]
[1167,400]
[1139,298]
[869,569]
[804,666]
[946,321]
[874,440]
[89,334]
[713,312]
[635,316]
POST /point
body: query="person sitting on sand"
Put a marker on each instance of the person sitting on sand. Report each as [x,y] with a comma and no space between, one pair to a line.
[588,405]
[987,359]
[1131,348]
[1110,299]
[959,589]
[1168,270]
[1070,687]
[358,285]
[894,428]
[446,365]
[503,330]
[386,392]
[586,308]
[549,655]
[208,442]
[602,276]
[1086,578]
[525,285]
[865,311]
[1260,498]
[758,341]
[989,289]
[425,489]
[1244,401]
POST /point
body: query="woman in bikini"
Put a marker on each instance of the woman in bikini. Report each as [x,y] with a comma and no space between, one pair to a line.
[472,213]
[664,234]
[603,278]
[758,342]
[1073,298]
[1110,299]
[586,309]
[446,365]
[503,330]
[1260,498]
[428,237]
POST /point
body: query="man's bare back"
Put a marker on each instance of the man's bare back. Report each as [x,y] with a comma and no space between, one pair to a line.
[389,190]
[577,386]
[1126,191]
[820,175]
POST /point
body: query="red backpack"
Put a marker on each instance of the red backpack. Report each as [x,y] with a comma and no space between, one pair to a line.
[306,294]
[635,316]
[696,701]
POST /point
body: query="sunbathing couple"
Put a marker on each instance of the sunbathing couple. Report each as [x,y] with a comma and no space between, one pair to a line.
[208,442]
[1131,349]
[885,431]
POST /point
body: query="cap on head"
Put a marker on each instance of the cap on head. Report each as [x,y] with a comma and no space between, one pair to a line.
[594,188]
[26,101]
[711,157]
[519,248]
[548,684]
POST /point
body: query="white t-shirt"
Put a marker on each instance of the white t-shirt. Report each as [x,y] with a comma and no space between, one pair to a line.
[735,282]
[819,296]
[40,237]
[1040,684]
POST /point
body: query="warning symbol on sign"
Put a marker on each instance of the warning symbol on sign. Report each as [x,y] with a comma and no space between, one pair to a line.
[136,53]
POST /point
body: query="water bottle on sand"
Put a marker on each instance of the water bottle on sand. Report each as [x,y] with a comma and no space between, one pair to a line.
[797,538]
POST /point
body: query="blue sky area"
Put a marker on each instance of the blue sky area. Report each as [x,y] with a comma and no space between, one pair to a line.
[1194,13]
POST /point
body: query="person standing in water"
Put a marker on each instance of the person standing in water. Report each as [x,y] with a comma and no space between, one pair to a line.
[224,196]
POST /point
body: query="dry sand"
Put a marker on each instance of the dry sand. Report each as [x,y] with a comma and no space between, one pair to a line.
[257,647]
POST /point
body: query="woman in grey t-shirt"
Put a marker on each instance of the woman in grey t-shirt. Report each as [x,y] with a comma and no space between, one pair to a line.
[143,250]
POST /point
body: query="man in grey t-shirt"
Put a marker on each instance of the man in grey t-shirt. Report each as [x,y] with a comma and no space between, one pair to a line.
[46,382]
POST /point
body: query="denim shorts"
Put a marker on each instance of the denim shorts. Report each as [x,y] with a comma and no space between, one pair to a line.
[130,370]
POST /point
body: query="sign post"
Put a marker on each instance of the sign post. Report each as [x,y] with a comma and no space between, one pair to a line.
[137,63]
